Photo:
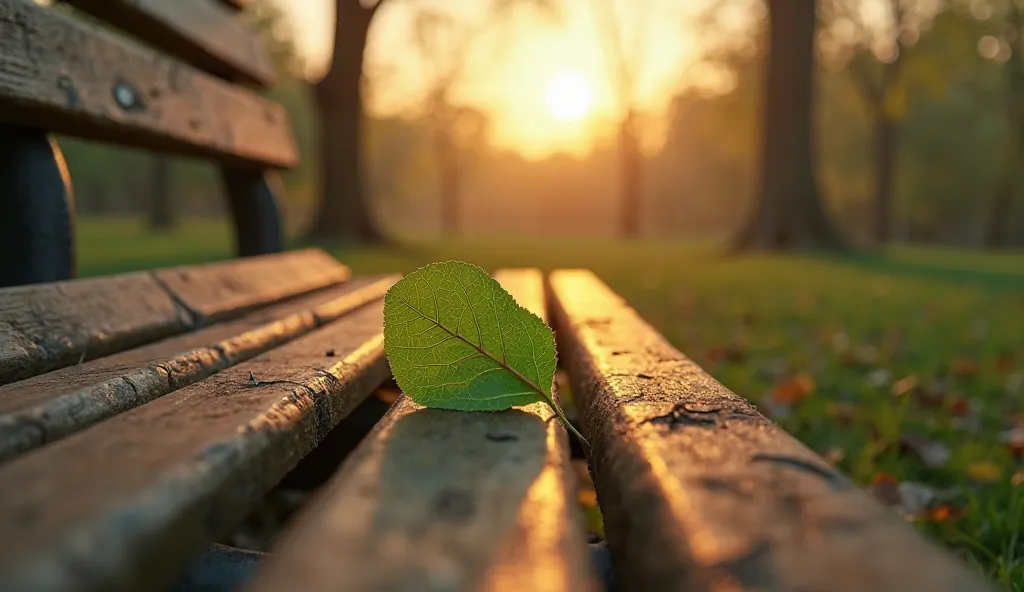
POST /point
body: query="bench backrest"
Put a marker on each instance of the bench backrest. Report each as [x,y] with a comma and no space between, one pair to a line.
[175,76]
[68,76]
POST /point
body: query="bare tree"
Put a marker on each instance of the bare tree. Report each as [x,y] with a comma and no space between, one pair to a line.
[624,68]
[789,212]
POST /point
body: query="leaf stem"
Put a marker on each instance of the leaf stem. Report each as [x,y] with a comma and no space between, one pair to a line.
[568,424]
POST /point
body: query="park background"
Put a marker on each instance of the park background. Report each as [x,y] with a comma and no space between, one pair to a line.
[897,355]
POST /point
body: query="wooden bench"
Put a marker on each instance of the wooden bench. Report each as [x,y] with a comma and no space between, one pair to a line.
[184,83]
[143,416]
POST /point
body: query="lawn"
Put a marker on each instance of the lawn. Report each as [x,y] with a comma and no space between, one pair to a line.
[904,370]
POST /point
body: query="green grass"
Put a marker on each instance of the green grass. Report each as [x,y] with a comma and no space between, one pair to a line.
[914,312]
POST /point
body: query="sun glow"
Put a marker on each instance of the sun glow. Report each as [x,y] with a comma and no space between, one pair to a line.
[569,96]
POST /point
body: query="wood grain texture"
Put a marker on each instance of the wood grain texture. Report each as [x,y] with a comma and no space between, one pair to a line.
[37,209]
[699,491]
[45,408]
[70,77]
[48,326]
[205,33]
[439,500]
[218,290]
[153,486]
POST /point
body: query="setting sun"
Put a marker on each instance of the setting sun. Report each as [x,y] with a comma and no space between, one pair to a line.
[569,96]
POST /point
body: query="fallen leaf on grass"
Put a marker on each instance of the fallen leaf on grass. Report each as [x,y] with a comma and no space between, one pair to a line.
[1014,440]
[733,353]
[915,501]
[1004,362]
[964,367]
[794,390]
[933,454]
[885,488]
[943,513]
[905,385]
[844,413]
[967,414]
[984,471]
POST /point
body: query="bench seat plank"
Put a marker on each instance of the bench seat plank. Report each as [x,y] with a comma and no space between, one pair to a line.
[71,77]
[44,408]
[204,33]
[700,491]
[219,290]
[46,326]
[441,500]
[152,486]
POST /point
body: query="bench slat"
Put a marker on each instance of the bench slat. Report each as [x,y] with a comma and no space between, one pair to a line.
[71,77]
[440,500]
[45,408]
[698,489]
[218,290]
[46,326]
[49,326]
[152,486]
[205,33]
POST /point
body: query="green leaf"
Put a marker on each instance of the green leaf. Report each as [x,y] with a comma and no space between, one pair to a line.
[456,339]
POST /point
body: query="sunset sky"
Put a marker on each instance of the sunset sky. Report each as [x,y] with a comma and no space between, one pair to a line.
[542,79]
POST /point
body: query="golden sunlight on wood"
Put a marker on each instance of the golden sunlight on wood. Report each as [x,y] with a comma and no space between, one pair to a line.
[570,96]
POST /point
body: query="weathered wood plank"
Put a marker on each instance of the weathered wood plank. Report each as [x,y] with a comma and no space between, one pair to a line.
[699,491]
[207,34]
[440,500]
[154,485]
[71,77]
[45,408]
[226,288]
[47,326]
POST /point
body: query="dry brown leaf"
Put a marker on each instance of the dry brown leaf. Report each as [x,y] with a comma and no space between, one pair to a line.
[964,367]
[1014,440]
[794,390]
[842,412]
[905,385]
[885,488]
[1004,362]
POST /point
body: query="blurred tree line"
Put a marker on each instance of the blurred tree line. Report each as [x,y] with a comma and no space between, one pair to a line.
[919,132]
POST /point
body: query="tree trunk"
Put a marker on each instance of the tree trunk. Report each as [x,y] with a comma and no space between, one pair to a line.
[789,213]
[996,230]
[345,212]
[160,215]
[998,217]
[449,183]
[886,137]
[632,178]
